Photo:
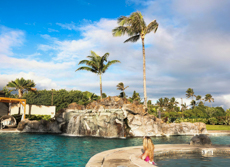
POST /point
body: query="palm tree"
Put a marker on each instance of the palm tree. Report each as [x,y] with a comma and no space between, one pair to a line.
[121,87]
[198,97]
[190,93]
[22,85]
[161,104]
[173,102]
[96,64]
[208,97]
[135,27]
[184,107]
[135,97]
[193,102]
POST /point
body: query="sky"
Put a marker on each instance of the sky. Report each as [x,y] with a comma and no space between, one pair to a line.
[45,40]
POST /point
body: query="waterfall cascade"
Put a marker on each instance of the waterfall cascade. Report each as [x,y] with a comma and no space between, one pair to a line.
[109,123]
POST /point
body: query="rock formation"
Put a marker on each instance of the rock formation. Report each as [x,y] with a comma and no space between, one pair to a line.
[201,139]
[109,117]
[117,117]
[42,126]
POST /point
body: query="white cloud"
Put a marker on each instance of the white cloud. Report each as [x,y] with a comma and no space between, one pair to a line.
[52,30]
[40,81]
[10,38]
[68,26]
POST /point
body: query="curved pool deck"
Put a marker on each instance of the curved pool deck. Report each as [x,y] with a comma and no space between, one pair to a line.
[129,156]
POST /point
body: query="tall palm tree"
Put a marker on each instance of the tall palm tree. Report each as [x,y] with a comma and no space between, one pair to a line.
[161,104]
[193,102]
[173,103]
[22,85]
[121,87]
[184,107]
[135,27]
[198,97]
[96,64]
[208,97]
[190,93]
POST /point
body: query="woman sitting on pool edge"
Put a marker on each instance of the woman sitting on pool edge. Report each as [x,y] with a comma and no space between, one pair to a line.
[148,147]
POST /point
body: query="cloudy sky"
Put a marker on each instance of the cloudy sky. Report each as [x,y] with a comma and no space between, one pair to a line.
[44,41]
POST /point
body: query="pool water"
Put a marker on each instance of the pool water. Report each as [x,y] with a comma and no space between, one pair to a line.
[26,149]
[194,160]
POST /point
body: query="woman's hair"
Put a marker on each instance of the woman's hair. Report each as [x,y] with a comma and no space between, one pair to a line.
[148,146]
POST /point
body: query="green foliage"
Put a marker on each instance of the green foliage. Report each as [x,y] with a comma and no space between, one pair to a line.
[228,112]
[8,93]
[32,117]
[192,120]
[21,85]
[121,87]
[61,98]
[135,97]
[213,121]
[219,111]
[217,127]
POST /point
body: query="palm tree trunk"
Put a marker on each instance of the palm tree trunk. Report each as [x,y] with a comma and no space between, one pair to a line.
[100,87]
[20,92]
[144,73]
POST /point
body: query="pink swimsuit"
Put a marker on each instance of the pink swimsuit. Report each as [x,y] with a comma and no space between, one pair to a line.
[148,160]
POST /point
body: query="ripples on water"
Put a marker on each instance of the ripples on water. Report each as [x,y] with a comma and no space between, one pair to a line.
[20,149]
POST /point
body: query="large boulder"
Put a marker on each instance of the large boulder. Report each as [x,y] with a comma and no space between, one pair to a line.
[201,139]
[42,126]
[76,106]
[183,128]
[201,127]
[113,102]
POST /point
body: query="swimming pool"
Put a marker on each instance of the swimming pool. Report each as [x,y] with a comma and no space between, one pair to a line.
[194,160]
[26,149]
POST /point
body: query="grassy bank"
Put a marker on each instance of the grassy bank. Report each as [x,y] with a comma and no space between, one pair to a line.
[217,127]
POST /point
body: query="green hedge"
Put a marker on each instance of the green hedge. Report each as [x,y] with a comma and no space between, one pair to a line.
[32,117]
[212,121]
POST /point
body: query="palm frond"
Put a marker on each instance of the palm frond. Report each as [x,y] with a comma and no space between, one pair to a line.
[87,69]
[109,64]
[83,62]
[153,26]
[119,31]
[133,39]
[104,57]
[122,20]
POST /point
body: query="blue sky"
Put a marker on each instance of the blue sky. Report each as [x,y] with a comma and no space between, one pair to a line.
[45,40]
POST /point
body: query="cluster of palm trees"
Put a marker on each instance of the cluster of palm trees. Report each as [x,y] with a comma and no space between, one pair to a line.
[135,27]
[167,104]
[208,97]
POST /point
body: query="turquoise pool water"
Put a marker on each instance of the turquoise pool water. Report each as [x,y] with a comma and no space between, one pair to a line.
[23,149]
[194,160]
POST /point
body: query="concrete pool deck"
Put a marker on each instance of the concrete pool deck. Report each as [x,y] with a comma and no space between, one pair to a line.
[129,156]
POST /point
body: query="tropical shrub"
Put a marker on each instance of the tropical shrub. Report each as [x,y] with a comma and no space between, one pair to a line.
[192,120]
[213,121]
[32,117]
